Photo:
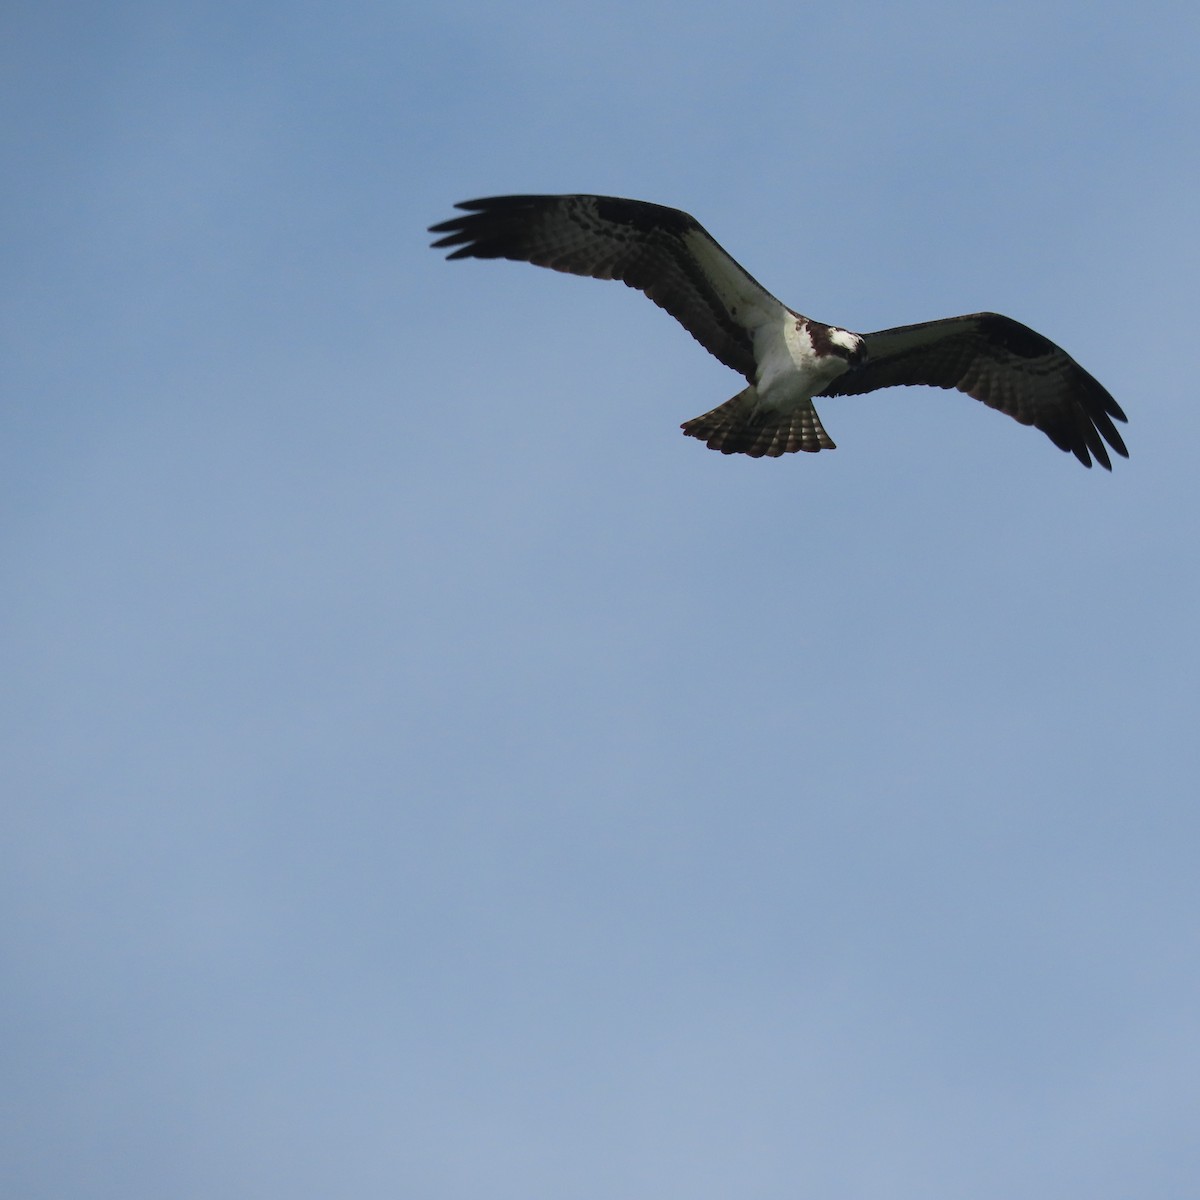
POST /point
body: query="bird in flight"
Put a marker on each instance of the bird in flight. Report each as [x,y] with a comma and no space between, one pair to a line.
[786,358]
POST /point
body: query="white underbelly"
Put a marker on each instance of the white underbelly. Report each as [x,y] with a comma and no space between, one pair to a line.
[789,372]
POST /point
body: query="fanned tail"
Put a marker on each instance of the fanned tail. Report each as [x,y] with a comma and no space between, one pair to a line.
[739,426]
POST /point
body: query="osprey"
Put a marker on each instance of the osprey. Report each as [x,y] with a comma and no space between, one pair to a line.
[787,358]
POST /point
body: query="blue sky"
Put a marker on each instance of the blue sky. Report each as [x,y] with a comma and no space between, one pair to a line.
[429,774]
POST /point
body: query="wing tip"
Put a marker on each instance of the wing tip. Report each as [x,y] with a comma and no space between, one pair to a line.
[483,220]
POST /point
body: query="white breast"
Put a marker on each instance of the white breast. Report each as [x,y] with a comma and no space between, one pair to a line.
[790,372]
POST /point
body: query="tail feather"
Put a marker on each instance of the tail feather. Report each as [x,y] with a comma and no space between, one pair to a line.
[739,426]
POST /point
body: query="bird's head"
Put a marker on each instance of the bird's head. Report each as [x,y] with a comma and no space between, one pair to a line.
[850,346]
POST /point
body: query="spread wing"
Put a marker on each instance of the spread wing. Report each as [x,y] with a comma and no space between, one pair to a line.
[1005,364]
[660,251]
